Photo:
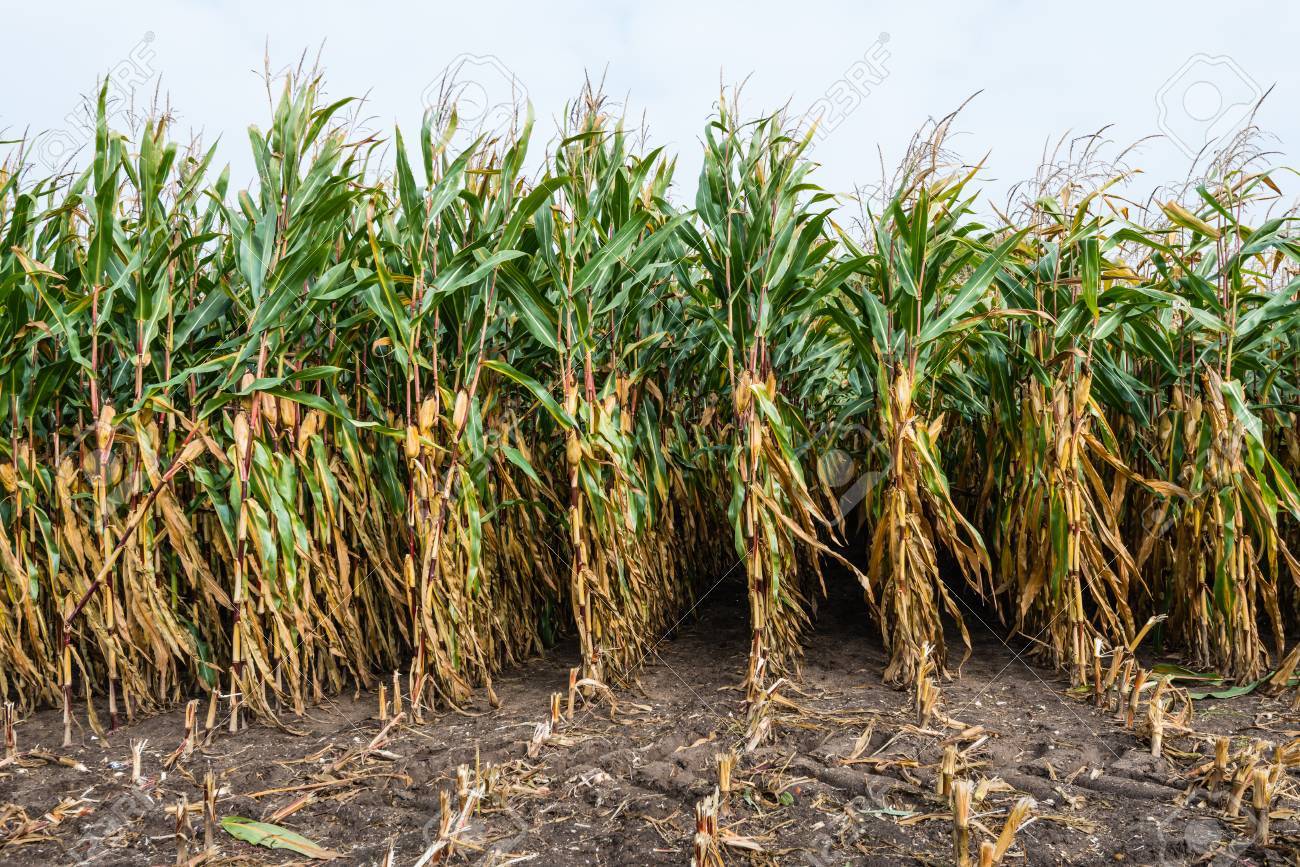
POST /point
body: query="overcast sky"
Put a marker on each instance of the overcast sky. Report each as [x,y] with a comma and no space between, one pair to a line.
[876,71]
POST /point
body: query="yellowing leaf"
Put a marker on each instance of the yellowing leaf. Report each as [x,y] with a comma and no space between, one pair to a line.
[1185,218]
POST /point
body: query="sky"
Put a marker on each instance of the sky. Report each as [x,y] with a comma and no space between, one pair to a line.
[1187,73]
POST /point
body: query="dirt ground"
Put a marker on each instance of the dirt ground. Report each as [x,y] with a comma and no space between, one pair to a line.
[846,777]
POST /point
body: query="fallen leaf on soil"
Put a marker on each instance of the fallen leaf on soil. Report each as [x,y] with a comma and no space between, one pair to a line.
[274,837]
[863,741]
[699,742]
[736,841]
[1179,672]
[889,811]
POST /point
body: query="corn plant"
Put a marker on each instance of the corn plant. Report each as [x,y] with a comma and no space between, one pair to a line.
[401,405]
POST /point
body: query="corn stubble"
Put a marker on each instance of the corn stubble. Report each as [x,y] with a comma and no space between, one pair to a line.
[429,414]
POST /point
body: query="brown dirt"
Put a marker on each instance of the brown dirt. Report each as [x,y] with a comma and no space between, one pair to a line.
[623,790]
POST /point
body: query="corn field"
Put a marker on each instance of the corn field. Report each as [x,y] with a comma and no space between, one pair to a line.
[403,405]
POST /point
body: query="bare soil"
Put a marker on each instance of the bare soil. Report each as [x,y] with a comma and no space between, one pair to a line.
[619,785]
